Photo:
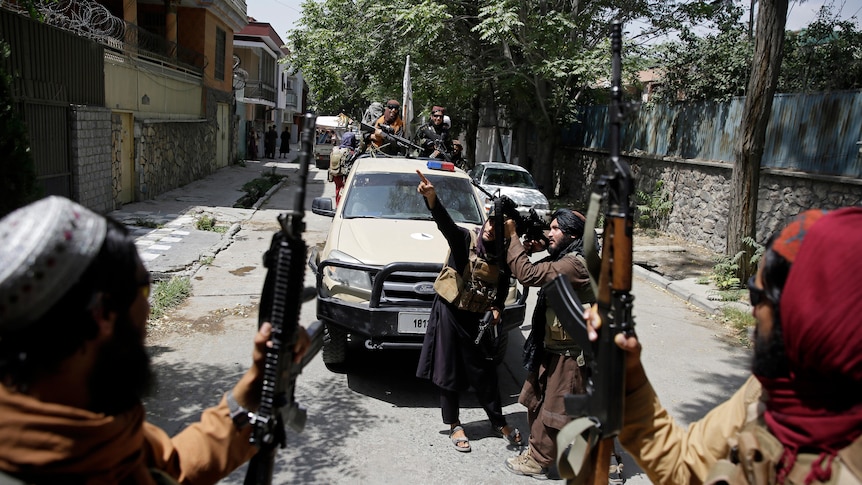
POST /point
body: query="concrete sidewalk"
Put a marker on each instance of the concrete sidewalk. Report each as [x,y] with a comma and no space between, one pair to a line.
[165,227]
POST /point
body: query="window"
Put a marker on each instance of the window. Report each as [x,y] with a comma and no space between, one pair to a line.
[221,39]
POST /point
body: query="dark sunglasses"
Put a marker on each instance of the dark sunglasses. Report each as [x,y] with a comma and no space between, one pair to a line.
[755,294]
[393,107]
[436,116]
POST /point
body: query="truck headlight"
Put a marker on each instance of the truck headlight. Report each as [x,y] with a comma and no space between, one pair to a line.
[352,278]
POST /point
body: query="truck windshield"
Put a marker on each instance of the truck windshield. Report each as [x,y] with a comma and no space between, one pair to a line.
[394,196]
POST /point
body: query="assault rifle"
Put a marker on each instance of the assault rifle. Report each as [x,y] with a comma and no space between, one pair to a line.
[280,305]
[532,227]
[390,136]
[586,444]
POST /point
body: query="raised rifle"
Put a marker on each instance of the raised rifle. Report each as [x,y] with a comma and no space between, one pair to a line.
[390,136]
[585,445]
[532,227]
[280,305]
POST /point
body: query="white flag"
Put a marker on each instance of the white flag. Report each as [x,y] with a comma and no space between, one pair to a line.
[407,102]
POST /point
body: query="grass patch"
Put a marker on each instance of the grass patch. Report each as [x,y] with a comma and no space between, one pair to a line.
[207,223]
[726,295]
[255,189]
[740,321]
[141,222]
[168,294]
[207,260]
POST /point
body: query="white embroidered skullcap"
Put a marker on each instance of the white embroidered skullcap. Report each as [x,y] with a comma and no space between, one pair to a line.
[44,248]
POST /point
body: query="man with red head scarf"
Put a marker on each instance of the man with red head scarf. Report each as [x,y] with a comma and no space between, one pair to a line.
[798,419]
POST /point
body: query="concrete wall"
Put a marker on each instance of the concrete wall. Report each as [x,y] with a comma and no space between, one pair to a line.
[90,145]
[700,192]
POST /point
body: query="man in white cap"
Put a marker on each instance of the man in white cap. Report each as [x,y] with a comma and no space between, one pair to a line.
[434,137]
[73,364]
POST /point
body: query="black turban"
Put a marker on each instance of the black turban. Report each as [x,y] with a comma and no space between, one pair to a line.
[570,222]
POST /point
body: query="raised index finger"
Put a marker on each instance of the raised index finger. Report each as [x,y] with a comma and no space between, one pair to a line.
[422,176]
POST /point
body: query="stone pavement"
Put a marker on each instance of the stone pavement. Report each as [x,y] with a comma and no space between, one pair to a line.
[170,243]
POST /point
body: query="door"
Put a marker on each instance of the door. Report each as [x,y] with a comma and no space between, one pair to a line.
[222,135]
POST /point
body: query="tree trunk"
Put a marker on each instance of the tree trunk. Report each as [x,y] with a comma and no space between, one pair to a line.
[472,130]
[748,151]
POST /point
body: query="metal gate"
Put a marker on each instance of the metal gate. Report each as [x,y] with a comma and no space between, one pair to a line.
[48,131]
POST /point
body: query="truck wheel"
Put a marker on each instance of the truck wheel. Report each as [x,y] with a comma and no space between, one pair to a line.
[502,344]
[334,345]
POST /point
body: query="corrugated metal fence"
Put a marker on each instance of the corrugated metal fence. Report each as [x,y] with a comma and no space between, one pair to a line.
[816,133]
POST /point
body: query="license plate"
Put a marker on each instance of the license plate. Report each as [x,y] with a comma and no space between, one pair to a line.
[412,322]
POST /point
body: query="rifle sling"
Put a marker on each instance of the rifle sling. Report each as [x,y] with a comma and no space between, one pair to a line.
[591,254]
[574,444]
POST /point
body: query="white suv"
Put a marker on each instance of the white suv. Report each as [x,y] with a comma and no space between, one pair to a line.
[514,182]
[376,271]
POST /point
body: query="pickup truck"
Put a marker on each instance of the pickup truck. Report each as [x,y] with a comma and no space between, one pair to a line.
[376,271]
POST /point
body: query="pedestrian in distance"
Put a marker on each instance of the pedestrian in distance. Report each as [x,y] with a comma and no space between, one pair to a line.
[269,141]
[285,143]
[74,366]
[252,145]
[554,362]
[450,356]
[798,418]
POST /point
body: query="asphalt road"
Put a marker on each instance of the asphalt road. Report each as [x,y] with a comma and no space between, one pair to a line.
[377,423]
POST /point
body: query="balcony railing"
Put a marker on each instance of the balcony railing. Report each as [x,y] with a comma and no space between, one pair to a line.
[155,47]
[90,19]
[260,90]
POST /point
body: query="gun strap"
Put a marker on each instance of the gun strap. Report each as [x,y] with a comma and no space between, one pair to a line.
[591,254]
[574,443]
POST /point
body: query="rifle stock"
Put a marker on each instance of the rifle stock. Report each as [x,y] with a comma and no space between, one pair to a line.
[603,403]
[280,305]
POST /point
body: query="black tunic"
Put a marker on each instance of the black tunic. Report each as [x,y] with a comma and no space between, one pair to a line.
[450,357]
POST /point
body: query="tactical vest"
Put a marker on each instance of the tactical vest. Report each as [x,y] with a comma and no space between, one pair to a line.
[755,454]
[475,289]
[556,338]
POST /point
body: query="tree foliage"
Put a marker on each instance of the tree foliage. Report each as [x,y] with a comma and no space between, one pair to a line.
[533,62]
[715,66]
[826,55]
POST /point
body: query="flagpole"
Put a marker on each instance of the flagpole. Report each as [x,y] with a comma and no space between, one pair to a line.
[407,101]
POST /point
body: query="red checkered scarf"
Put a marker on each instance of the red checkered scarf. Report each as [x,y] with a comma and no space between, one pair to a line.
[818,407]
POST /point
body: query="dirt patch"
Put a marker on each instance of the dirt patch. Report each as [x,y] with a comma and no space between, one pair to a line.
[212,323]
[671,256]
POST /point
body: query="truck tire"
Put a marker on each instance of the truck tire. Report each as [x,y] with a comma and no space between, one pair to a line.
[502,345]
[334,345]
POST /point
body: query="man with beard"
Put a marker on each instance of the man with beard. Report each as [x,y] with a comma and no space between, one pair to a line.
[74,367]
[434,137]
[554,363]
[798,418]
[389,123]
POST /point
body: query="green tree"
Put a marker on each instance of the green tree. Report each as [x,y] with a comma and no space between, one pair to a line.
[825,56]
[17,172]
[715,66]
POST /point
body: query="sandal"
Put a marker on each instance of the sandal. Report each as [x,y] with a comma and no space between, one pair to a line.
[514,437]
[457,442]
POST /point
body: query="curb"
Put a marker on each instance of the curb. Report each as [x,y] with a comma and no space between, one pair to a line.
[669,285]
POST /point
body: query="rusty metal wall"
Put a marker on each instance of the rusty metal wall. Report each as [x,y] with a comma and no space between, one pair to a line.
[815,133]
